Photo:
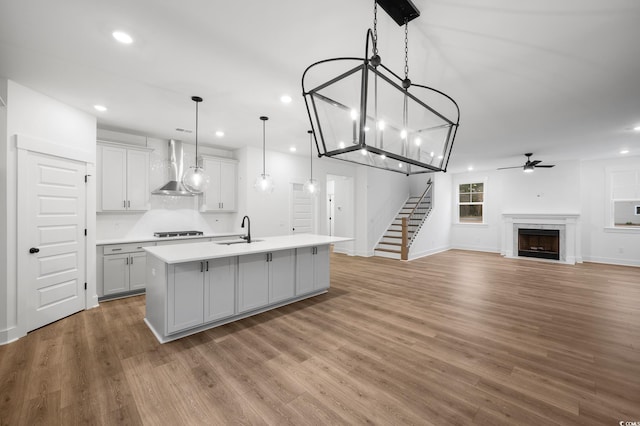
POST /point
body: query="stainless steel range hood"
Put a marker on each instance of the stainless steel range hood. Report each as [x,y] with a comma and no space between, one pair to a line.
[176,169]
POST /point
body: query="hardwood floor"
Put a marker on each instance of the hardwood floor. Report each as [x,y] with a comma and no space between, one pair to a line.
[455,338]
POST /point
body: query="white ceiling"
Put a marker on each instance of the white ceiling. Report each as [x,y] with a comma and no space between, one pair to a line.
[557,78]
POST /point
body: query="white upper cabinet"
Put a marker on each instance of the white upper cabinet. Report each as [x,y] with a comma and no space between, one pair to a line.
[123,178]
[220,196]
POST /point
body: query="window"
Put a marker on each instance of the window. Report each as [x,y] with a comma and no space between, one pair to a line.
[470,202]
[625,198]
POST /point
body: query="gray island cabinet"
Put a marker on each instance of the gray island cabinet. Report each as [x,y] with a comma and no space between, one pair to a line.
[197,286]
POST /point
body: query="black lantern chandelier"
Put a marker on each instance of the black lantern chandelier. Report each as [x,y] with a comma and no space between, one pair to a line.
[369,115]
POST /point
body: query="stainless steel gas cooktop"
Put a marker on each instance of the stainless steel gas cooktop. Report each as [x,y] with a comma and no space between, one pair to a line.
[177,234]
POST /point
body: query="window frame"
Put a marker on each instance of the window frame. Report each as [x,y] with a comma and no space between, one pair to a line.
[482,203]
[610,200]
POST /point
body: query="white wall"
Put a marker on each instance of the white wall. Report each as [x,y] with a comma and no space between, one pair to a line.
[572,187]
[33,114]
[387,193]
[435,234]
[601,243]
[7,315]
[167,213]
[270,215]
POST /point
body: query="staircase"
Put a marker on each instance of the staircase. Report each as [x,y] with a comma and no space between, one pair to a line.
[412,214]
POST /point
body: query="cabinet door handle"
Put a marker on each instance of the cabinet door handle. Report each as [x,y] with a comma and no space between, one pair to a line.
[127,261]
[128,203]
[124,204]
[207,266]
[222,205]
[201,266]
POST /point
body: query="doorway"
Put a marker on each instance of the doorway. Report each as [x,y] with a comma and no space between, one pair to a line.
[302,210]
[51,246]
[340,213]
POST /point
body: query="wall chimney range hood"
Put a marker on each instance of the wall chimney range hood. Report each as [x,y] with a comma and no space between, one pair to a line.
[176,169]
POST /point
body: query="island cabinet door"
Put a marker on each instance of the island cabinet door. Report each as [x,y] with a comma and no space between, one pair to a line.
[253,281]
[185,298]
[220,288]
[304,270]
[321,268]
[281,275]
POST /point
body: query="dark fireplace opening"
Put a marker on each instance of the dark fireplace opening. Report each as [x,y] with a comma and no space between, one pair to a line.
[541,243]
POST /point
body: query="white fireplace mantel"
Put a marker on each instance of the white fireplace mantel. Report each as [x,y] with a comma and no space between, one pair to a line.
[567,224]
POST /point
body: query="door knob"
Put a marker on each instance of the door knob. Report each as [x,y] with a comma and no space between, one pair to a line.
[34,250]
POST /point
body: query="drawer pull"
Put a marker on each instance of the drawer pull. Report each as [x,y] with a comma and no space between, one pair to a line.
[118,249]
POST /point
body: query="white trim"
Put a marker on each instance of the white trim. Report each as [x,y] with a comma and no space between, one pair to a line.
[613,261]
[430,252]
[622,230]
[29,143]
[567,223]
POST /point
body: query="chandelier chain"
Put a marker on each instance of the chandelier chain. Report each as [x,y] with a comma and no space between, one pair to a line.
[406,48]
[375,27]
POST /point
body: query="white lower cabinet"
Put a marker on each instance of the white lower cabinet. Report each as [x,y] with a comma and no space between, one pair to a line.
[220,289]
[312,269]
[124,269]
[200,292]
[265,278]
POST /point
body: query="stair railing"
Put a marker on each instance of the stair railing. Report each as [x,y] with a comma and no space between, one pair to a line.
[406,221]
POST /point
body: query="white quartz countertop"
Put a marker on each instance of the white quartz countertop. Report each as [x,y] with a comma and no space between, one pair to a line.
[125,240]
[213,249]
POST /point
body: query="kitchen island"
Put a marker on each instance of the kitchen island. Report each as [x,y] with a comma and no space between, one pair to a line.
[197,286]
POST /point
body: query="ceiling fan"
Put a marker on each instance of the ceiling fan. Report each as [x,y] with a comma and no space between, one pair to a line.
[529,165]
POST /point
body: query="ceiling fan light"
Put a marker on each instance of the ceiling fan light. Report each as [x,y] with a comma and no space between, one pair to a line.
[528,168]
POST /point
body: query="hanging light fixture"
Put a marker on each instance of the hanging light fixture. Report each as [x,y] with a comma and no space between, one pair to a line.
[311,187]
[388,119]
[196,179]
[264,183]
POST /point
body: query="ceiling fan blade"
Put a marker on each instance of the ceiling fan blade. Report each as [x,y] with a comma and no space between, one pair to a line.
[514,167]
[548,166]
[534,163]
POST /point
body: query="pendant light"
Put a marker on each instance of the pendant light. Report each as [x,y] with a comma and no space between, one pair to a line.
[196,179]
[311,187]
[264,183]
[370,115]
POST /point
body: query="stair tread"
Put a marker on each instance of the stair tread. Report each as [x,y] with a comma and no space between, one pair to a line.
[388,250]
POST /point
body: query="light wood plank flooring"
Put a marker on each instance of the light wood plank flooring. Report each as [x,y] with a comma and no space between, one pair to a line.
[455,338]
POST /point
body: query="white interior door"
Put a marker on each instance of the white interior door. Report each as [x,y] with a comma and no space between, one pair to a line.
[52,264]
[301,210]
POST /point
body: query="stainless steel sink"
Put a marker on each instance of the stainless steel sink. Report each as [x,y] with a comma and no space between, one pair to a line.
[228,243]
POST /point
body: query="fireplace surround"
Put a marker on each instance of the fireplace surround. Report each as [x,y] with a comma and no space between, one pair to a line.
[567,226]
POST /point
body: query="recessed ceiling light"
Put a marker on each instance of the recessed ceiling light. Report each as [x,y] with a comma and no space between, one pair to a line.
[100,108]
[293,149]
[122,37]
[285,99]
[219,133]
[637,128]
[470,168]
[624,151]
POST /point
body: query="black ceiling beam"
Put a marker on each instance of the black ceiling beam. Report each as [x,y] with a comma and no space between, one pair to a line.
[399,10]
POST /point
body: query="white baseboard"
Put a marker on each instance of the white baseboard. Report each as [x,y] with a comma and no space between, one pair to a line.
[424,253]
[611,261]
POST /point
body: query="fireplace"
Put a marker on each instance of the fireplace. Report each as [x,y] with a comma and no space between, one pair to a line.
[540,243]
[567,224]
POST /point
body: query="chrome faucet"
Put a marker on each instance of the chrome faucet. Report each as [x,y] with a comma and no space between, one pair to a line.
[248,236]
